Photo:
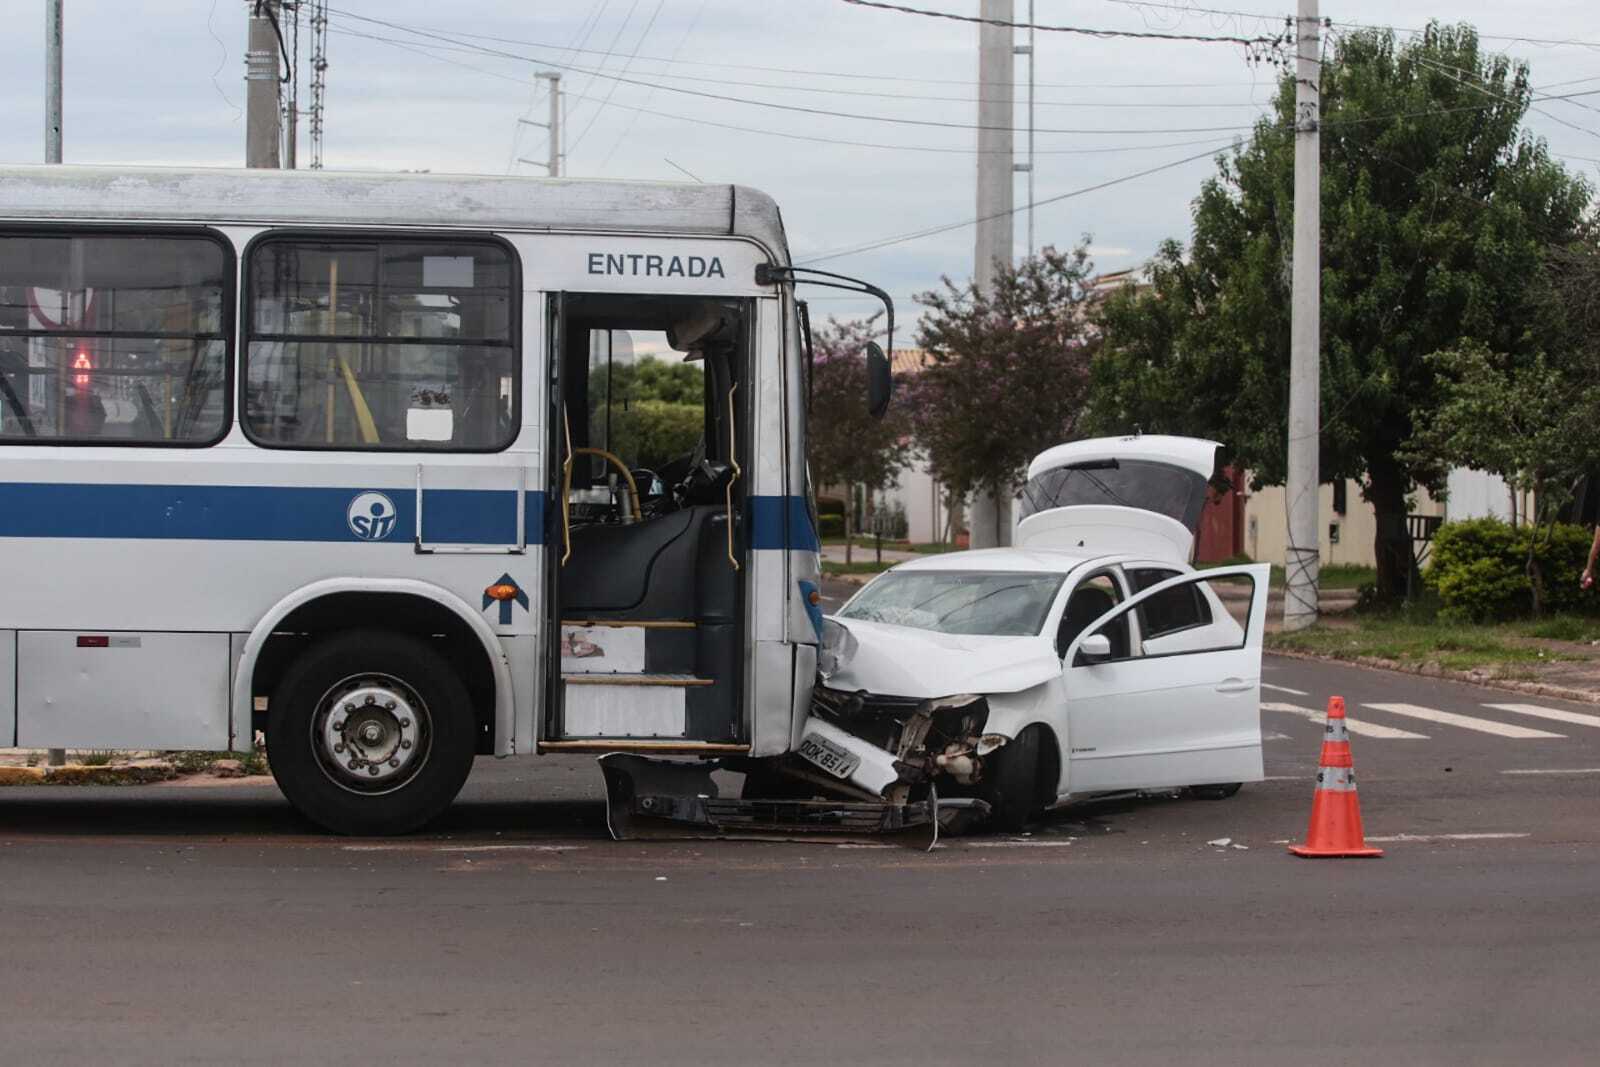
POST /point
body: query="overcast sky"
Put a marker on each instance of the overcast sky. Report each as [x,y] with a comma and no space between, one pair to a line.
[161,81]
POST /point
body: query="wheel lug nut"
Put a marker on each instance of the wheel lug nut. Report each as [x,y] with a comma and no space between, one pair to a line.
[389,705]
[371,699]
[339,748]
[394,763]
[372,769]
[339,725]
[349,707]
[405,744]
[355,765]
[405,724]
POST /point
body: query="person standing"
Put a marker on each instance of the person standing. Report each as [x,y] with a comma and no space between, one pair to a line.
[1587,581]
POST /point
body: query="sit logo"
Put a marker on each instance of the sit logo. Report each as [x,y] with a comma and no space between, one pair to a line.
[371,516]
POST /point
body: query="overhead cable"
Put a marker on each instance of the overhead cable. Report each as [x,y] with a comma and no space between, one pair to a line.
[1155,35]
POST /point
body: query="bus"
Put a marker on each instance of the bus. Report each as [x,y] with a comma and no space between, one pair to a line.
[397,470]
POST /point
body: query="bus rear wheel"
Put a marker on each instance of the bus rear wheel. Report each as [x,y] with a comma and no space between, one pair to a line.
[370,733]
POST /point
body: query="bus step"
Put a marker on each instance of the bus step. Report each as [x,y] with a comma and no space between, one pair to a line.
[684,681]
[650,798]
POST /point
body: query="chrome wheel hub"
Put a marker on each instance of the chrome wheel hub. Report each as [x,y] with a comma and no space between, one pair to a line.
[371,733]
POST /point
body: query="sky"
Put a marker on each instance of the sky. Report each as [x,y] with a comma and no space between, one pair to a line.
[683,90]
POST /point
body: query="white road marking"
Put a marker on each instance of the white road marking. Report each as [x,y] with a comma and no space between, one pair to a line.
[1285,689]
[463,848]
[1556,714]
[1355,726]
[1446,837]
[1014,844]
[1556,770]
[1466,722]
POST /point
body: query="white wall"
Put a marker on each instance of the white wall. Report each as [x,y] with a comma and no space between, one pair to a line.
[1477,495]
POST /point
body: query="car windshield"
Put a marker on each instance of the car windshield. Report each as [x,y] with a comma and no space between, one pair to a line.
[1006,604]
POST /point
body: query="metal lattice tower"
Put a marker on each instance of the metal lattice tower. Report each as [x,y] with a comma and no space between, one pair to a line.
[319,76]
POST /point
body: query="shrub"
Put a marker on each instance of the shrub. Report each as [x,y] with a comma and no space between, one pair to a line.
[1478,569]
[832,526]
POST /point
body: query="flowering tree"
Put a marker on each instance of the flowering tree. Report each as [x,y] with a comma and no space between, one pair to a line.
[848,446]
[1007,371]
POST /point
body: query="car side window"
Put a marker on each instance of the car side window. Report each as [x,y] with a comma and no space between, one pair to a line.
[1092,598]
[1182,608]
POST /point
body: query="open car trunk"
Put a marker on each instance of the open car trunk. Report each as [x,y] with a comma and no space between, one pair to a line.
[1141,495]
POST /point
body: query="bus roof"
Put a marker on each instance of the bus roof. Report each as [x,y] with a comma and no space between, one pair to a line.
[284,197]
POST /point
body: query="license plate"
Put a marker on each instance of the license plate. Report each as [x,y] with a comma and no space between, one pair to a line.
[829,756]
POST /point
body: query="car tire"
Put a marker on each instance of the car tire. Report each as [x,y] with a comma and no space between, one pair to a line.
[1011,781]
[1215,792]
[370,733]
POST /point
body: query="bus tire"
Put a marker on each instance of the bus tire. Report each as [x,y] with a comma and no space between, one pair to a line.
[370,733]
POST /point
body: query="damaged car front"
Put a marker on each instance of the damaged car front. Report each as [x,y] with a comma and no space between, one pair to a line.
[928,679]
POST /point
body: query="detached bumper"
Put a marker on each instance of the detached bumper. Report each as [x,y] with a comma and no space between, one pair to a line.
[657,798]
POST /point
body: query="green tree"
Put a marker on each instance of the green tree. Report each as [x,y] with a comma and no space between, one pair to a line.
[657,409]
[1531,421]
[848,446]
[1007,371]
[1436,212]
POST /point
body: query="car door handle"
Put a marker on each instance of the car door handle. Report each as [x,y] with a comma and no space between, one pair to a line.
[1235,685]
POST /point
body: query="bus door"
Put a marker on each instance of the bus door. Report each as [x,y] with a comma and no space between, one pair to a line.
[646,558]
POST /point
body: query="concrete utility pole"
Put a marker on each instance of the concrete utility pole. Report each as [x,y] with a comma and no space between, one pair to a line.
[55,757]
[262,137]
[990,520]
[552,163]
[1303,558]
[52,81]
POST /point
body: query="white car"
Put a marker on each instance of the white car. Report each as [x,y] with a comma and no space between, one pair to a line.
[1089,659]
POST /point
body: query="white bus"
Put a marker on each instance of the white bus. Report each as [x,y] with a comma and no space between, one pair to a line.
[400,470]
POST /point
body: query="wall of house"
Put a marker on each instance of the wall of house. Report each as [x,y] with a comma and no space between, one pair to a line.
[1477,495]
[1342,538]
[919,494]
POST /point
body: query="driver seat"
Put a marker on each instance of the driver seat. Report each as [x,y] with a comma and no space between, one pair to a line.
[1085,606]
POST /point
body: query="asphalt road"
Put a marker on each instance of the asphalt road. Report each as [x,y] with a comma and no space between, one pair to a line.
[206,923]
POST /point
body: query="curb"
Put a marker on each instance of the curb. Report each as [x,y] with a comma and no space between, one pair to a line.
[1512,685]
[77,774]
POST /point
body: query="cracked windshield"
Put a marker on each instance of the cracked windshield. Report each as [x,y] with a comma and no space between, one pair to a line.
[1002,605]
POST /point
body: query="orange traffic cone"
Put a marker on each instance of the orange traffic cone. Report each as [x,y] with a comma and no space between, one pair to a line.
[1335,810]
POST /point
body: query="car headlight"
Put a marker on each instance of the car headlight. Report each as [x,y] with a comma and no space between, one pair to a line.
[837,649]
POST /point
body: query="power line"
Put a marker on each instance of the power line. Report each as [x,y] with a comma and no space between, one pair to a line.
[1148,35]
[792,108]
[633,118]
[424,50]
[931,231]
[622,27]
[625,66]
[813,72]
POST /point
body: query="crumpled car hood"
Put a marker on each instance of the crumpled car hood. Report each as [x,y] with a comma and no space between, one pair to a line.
[902,661]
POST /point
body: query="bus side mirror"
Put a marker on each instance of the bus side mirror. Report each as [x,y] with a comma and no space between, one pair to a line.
[880,385]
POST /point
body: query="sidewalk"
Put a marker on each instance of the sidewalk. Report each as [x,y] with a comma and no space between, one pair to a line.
[835,554]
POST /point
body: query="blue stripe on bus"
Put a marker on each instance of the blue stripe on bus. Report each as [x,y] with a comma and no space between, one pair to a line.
[299,513]
[781,522]
[255,513]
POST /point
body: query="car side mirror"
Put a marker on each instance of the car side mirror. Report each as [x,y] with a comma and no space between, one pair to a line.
[880,382]
[1094,648]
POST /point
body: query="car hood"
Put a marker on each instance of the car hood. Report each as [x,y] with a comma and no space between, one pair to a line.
[902,661]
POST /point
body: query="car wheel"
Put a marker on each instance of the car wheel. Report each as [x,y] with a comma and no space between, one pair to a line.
[1011,782]
[1215,792]
[370,733]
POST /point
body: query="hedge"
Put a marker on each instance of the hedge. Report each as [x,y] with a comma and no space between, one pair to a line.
[1479,570]
[832,526]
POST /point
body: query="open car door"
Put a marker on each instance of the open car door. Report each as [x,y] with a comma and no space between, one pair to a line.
[1148,719]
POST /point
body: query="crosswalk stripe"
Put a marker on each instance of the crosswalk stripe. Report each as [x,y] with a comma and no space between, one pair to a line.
[1466,722]
[1557,714]
[1355,726]
[1285,689]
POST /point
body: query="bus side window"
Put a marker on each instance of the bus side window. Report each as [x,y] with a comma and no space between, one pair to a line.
[381,344]
[114,337]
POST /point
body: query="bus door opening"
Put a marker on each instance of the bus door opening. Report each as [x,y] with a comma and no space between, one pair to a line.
[648,559]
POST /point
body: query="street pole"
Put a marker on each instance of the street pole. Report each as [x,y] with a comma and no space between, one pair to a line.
[1302,560]
[55,757]
[990,521]
[52,81]
[261,130]
[554,168]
